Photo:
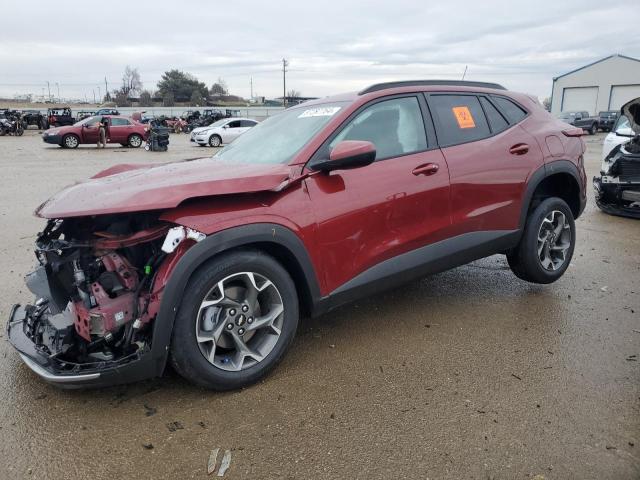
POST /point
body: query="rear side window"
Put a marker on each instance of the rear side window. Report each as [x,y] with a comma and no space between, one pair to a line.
[512,111]
[234,124]
[247,123]
[459,119]
[496,120]
[119,122]
[394,126]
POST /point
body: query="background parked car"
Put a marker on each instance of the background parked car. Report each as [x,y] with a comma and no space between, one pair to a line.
[81,115]
[222,131]
[107,111]
[34,117]
[606,120]
[58,117]
[122,130]
[582,120]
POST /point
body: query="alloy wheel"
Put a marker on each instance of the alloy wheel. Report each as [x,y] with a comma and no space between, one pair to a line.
[554,240]
[239,321]
[71,141]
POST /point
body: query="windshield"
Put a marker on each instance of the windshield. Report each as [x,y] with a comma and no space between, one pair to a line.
[219,123]
[87,121]
[279,138]
[622,125]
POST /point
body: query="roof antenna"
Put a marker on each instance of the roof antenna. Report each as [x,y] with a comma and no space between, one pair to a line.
[465,71]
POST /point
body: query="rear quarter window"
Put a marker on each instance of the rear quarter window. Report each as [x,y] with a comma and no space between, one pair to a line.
[510,109]
[459,119]
[496,121]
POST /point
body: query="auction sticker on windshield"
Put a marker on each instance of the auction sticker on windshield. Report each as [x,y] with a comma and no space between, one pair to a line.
[464,117]
[319,112]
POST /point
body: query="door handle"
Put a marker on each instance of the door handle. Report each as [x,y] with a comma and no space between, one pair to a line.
[427,169]
[519,149]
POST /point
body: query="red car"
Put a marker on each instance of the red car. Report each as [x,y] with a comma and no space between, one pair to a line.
[210,263]
[122,130]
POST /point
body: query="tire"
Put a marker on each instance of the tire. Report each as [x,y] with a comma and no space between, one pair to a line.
[70,141]
[215,141]
[135,140]
[19,131]
[229,368]
[594,129]
[525,260]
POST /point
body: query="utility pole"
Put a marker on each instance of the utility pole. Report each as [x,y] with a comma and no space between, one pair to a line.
[106,87]
[285,64]
[251,82]
[94,94]
[99,94]
[58,87]
[49,89]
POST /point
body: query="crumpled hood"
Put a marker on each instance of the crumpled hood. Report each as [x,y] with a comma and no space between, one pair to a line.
[142,187]
[631,110]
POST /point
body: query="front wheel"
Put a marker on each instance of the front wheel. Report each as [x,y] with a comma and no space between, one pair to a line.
[594,129]
[238,317]
[546,247]
[135,140]
[215,141]
[70,141]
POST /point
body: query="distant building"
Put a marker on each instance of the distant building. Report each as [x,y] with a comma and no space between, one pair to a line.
[295,100]
[606,84]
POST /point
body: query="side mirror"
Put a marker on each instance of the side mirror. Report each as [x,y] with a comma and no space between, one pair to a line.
[348,154]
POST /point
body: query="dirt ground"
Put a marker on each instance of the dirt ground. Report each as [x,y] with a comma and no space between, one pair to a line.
[467,374]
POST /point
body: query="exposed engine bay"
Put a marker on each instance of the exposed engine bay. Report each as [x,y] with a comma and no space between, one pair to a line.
[617,189]
[98,287]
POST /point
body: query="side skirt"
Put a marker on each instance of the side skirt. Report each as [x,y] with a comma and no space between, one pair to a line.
[434,258]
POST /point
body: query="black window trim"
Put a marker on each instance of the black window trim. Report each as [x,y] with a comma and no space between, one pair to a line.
[509,125]
[436,121]
[429,128]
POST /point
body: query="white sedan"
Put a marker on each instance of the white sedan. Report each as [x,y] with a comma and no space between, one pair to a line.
[222,131]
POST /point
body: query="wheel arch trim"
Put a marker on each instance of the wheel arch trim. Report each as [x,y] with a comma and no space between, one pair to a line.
[203,251]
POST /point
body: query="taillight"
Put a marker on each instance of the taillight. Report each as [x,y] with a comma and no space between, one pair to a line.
[573,132]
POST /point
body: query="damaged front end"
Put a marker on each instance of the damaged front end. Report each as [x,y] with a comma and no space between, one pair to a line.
[98,287]
[617,189]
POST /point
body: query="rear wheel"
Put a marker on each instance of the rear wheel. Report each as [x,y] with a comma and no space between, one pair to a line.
[135,140]
[70,141]
[546,247]
[238,316]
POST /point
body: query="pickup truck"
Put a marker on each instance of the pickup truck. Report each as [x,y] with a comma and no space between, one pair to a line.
[606,120]
[581,119]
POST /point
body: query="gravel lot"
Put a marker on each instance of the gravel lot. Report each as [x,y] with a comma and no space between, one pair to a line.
[467,374]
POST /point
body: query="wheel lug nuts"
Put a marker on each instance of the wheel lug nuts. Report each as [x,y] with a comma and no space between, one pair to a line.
[229,326]
[250,320]
[241,331]
[232,312]
[245,308]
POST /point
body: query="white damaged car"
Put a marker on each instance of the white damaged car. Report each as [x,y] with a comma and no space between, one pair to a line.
[221,132]
[617,188]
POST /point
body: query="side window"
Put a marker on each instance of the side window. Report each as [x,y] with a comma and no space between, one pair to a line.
[234,124]
[496,120]
[394,126]
[119,122]
[247,123]
[513,112]
[460,119]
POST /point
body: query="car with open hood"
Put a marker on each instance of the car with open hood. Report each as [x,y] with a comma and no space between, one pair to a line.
[209,264]
[617,188]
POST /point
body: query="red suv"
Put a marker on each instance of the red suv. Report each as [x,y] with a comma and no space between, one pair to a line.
[210,263]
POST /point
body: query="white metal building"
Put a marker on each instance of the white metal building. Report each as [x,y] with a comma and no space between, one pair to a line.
[603,85]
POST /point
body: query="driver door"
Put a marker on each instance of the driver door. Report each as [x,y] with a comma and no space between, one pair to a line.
[231,131]
[90,131]
[397,204]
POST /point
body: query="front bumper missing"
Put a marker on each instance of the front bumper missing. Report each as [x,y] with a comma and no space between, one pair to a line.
[617,198]
[66,375]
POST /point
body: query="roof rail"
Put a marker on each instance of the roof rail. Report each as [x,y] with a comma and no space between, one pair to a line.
[420,83]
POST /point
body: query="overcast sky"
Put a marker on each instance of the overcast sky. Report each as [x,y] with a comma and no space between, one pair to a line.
[332,46]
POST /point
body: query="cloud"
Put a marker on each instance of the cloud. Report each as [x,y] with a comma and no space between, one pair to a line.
[332,46]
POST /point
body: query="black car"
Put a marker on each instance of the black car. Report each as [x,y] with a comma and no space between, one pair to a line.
[606,120]
[107,111]
[33,117]
[617,189]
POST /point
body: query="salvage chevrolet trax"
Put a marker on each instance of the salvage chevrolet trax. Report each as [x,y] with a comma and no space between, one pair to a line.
[209,264]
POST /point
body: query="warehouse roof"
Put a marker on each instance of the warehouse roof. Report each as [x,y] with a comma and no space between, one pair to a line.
[593,63]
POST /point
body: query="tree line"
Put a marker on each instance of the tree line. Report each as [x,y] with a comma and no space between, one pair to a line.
[174,86]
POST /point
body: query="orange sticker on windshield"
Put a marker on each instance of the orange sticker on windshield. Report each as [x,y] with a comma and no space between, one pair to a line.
[463,116]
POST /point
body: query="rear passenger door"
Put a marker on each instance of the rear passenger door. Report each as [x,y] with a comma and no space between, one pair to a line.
[119,130]
[490,156]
